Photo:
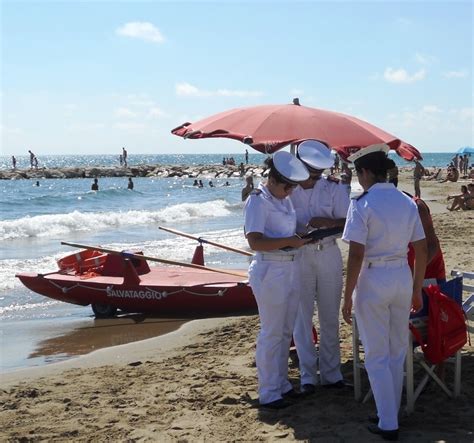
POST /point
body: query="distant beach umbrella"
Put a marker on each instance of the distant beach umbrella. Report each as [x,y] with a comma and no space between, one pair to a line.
[268,128]
[465,150]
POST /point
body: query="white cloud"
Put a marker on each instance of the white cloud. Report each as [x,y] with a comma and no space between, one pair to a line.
[433,120]
[455,74]
[125,113]
[141,30]
[140,100]
[296,92]
[85,127]
[7,130]
[130,126]
[156,112]
[71,107]
[402,76]
[424,59]
[430,109]
[403,21]
[187,90]
[463,114]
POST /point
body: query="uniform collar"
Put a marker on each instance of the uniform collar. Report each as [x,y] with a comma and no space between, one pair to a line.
[381,186]
[265,192]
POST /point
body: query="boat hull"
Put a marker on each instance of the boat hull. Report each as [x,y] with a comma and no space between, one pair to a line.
[162,290]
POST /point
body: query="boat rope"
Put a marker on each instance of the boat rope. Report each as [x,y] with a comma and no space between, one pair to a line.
[158,294]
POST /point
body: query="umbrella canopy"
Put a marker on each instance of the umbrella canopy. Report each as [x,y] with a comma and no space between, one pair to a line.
[466,150]
[269,128]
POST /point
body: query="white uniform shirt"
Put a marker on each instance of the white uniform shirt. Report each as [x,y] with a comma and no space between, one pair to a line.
[273,217]
[325,199]
[384,220]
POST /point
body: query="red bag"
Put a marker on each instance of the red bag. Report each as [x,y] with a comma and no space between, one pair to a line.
[447,331]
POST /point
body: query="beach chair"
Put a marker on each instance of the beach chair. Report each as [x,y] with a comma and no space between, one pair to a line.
[415,359]
[468,303]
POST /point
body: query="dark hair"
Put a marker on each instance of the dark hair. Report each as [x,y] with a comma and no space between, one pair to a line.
[375,162]
[464,188]
[390,163]
[273,173]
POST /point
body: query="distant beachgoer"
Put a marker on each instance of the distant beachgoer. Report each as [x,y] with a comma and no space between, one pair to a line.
[14,162]
[211,185]
[246,157]
[434,175]
[32,158]
[466,164]
[336,163]
[124,155]
[201,185]
[248,187]
[226,184]
[95,185]
[195,183]
[130,183]
[464,200]
[35,162]
[469,200]
[242,169]
[37,183]
[121,159]
[452,176]
[418,172]
[224,161]
[392,172]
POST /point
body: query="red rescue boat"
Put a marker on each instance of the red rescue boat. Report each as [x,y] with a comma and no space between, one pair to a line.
[123,280]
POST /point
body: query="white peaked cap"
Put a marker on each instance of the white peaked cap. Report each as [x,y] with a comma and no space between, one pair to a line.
[290,167]
[380,147]
[315,154]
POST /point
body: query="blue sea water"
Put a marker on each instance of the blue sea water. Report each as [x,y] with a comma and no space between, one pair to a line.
[35,219]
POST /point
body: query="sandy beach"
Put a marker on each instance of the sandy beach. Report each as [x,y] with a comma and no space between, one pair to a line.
[199,383]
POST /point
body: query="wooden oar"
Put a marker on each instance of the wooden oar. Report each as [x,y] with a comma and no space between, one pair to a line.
[200,239]
[159,260]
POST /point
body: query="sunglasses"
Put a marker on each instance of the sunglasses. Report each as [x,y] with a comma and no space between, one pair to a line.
[289,186]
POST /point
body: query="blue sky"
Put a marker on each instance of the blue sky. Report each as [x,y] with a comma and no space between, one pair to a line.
[91,77]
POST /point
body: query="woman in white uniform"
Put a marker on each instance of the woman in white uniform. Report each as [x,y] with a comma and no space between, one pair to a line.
[380,225]
[270,225]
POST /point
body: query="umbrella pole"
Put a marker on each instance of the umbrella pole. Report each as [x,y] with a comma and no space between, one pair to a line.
[293,149]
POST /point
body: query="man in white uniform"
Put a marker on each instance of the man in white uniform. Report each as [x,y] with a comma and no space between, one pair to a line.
[320,202]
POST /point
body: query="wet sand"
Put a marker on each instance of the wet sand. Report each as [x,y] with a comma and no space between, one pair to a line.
[44,341]
[199,383]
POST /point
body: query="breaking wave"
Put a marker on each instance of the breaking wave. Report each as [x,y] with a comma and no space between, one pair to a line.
[76,221]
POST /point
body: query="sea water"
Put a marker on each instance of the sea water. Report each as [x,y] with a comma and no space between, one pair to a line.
[35,219]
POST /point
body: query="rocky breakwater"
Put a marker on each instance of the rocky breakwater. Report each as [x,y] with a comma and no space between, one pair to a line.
[165,171]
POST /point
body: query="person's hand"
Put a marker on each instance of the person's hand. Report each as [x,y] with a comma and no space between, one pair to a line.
[347,311]
[297,242]
[416,302]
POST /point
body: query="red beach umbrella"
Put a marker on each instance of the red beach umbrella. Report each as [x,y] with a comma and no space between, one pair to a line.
[268,128]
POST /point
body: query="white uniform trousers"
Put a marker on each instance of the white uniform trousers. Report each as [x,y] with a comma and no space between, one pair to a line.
[272,285]
[382,302]
[320,276]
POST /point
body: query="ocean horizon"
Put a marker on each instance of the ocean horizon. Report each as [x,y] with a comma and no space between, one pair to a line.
[430,159]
